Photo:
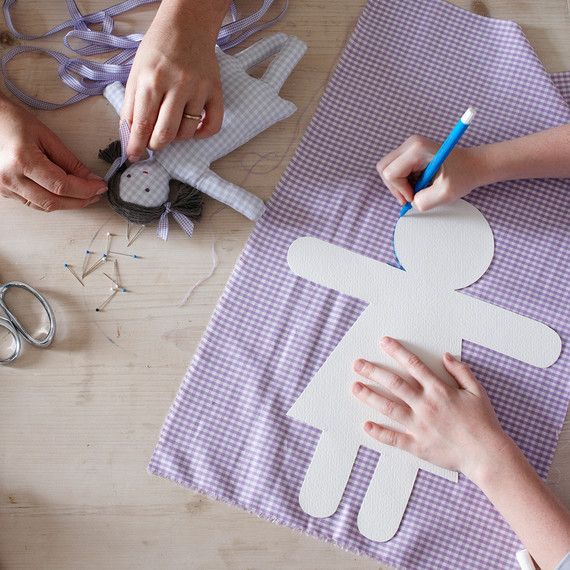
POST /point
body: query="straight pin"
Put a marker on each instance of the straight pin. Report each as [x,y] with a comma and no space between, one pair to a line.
[106,301]
[134,256]
[137,234]
[109,237]
[85,262]
[128,231]
[70,269]
[116,269]
[111,279]
[97,264]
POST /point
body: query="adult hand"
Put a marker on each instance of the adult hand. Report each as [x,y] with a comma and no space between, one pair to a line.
[451,426]
[461,173]
[37,169]
[175,72]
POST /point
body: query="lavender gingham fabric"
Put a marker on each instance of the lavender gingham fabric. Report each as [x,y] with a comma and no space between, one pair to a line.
[411,66]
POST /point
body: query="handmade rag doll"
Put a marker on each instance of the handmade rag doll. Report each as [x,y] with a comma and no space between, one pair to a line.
[141,192]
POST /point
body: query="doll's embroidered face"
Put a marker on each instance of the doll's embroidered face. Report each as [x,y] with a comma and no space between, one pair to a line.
[145,184]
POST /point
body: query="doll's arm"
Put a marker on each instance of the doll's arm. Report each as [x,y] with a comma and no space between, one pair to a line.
[285,61]
[230,194]
[261,50]
[340,269]
[115,94]
[512,334]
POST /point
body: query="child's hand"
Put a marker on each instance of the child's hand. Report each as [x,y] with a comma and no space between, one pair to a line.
[453,427]
[461,173]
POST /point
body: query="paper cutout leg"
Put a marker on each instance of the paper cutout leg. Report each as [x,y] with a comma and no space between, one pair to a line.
[386,499]
[331,465]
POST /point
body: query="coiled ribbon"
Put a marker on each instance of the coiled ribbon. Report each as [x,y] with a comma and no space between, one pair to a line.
[87,77]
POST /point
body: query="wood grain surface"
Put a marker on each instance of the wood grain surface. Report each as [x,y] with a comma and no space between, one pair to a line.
[78,422]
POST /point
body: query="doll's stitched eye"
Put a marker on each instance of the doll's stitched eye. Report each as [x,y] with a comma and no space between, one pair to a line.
[147,189]
[128,175]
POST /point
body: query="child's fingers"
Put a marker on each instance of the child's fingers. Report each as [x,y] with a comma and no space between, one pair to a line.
[408,391]
[409,361]
[396,174]
[462,374]
[389,408]
[388,436]
[430,197]
[381,166]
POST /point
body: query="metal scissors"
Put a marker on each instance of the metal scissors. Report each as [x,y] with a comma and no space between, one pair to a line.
[15,328]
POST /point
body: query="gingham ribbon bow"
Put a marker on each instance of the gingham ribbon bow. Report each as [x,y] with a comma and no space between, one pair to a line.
[183,221]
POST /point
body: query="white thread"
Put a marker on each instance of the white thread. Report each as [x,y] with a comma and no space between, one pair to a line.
[203,279]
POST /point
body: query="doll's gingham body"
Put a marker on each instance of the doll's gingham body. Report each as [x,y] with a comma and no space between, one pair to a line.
[250,106]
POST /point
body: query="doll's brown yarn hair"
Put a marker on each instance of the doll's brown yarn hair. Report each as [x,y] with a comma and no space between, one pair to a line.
[184,198]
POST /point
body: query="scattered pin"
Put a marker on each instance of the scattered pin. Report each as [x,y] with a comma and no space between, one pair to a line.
[70,269]
[97,264]
[106,301]
[111,279]
[128,231]
[134,256]
[85,262]
[109,238]
[137,234]
[114,290]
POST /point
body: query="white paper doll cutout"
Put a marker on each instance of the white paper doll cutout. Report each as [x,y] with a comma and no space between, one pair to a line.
[443,250]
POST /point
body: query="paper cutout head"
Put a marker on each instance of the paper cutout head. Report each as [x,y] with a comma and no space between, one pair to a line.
[433,245]
[250,106]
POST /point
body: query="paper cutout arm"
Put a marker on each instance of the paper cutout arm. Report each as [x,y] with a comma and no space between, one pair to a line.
[338,268]
[494,327]
[230,194]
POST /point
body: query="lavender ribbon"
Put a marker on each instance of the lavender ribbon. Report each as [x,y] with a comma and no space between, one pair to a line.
[87,77]
[183,221]
[124,133]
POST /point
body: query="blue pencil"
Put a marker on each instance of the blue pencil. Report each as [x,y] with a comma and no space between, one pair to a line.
[437,161]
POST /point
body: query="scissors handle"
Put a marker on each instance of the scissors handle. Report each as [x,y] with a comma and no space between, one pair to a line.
[46,340]
[5,323]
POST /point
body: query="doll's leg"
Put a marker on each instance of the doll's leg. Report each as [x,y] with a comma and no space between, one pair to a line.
[327,476]
[386,499]
[284,63]
[261,50]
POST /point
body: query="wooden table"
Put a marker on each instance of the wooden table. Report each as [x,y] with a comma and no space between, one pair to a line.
[78,422]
